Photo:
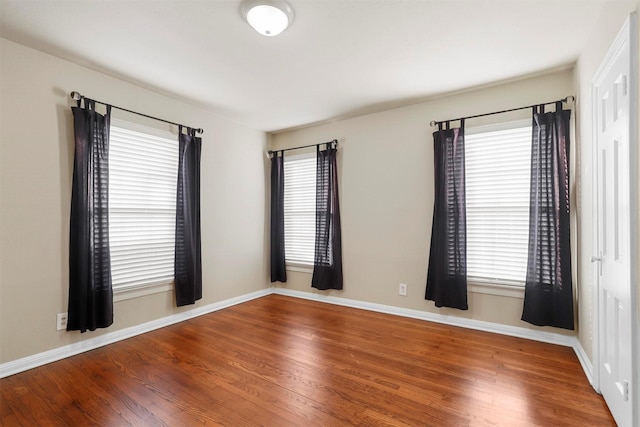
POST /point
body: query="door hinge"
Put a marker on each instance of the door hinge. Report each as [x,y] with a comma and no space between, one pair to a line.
[623,387]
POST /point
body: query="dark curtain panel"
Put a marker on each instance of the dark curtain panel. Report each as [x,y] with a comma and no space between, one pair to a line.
[327,265]
[548,298]
[447,276]
[90,291]
[188,259]
[278,265]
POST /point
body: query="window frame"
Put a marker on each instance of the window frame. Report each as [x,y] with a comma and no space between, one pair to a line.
[502,287]
[297,265]
[121,293]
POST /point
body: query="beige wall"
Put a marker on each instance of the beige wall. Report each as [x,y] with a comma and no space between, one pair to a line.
[36,164]
[386,193]
[609,24]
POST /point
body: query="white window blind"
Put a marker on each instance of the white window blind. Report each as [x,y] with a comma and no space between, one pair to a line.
[143,167]
[300,208]
[497,167]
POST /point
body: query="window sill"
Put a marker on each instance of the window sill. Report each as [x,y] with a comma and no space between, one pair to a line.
[299,267]
[126,293]
[493,288]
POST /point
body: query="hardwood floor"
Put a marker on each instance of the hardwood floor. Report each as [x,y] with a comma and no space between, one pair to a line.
[280,361]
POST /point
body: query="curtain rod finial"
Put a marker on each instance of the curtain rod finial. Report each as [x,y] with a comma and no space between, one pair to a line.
[433,123]
[75,95]
[200,130]
[570,98]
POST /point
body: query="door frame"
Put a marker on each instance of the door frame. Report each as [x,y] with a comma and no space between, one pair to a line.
[627,34]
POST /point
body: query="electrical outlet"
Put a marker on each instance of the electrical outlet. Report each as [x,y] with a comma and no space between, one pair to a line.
[61,321]
[402,289]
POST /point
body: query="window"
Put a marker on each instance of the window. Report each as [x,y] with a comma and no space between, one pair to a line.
[143,168]
[300,208]
[497,164]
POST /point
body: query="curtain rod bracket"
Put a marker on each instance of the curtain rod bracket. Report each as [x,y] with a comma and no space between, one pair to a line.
[77,96]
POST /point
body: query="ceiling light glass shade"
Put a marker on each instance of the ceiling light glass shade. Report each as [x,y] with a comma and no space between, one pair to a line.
[268,17]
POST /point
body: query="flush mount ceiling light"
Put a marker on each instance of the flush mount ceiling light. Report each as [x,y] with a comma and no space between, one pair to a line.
[268,17]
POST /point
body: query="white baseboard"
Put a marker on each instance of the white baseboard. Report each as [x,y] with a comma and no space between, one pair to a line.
[29,362]
[59,353]
[586,364]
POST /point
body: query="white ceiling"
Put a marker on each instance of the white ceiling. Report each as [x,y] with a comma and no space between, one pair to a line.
[340,58]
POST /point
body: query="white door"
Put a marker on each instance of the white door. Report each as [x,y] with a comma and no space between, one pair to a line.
[614,257]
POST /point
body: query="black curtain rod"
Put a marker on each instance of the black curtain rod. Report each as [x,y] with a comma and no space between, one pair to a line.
[335,141]
[78,96]
[569,98]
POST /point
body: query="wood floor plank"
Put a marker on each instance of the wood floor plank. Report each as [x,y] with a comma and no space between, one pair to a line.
[281,361]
